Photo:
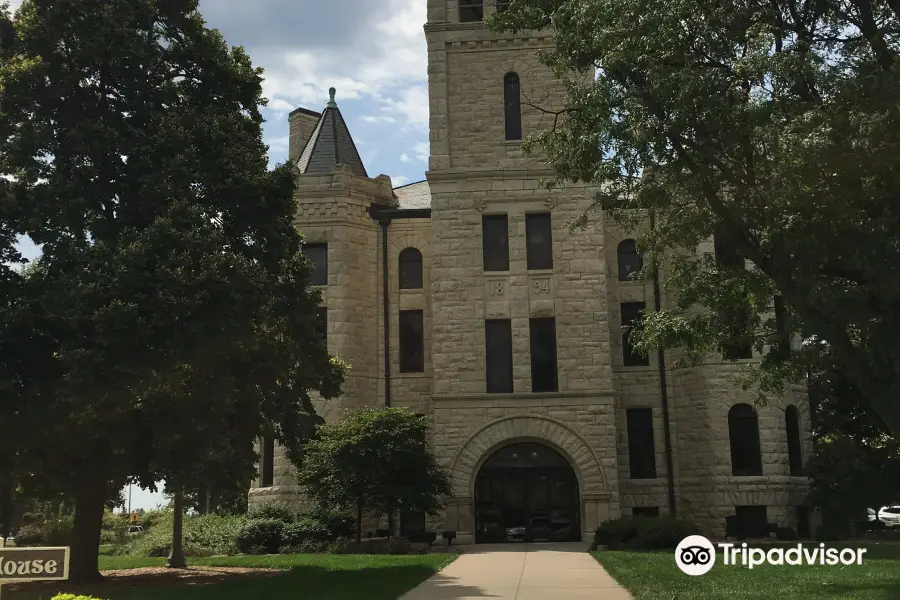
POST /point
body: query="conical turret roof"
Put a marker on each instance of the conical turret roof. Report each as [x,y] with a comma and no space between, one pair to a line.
[330,144]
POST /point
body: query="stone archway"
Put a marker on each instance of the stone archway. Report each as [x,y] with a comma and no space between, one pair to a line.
[507,430]
[592,487]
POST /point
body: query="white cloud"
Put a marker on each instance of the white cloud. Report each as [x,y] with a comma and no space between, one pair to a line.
[398,180]
[405,158]
[379,119]
[423,150]
[279,144]
[279,107]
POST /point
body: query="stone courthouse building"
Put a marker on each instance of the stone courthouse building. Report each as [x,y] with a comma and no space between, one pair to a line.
[466,298]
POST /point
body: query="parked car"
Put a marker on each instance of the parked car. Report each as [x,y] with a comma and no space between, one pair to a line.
[516,533]
[134,530]
[890,515]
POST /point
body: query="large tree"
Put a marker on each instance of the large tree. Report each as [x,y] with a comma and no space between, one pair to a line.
[169,316]
[374,460]
[772,125]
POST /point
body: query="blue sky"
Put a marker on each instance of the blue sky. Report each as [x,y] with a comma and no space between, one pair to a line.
[372,52]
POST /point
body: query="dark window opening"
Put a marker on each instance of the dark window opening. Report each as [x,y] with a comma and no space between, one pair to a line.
[471,11]
[539,241]
[512,106]
[739,350]
[318,255]
[543,354]
[792,425]
[739,347]
[641,449]
[631,314]
[498,356]
[495,242]
[322,322]
[410,269]
[645,511]
[726,255]
[412,341]
[630,260]
[743,433]
[754,520]
[502,5]
[267,474]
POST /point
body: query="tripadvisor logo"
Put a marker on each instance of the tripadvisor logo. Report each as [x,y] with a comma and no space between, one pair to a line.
[696,555]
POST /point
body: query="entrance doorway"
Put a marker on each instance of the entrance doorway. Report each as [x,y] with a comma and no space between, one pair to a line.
[526,492]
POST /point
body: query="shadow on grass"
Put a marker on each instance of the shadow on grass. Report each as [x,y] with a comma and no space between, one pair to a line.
[297,583]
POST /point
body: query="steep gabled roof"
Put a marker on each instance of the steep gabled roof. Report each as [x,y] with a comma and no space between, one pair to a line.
[330,145]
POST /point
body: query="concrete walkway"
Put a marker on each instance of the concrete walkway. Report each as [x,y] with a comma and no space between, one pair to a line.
[521,572]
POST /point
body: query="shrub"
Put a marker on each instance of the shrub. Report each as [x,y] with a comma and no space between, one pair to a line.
[207,535]
[827,534]
[72,597]
[277,511]
[399,545]
[295,534]
[30,535]
[643,533]
[786,534]
[267,534]
[340,523]
[31,518]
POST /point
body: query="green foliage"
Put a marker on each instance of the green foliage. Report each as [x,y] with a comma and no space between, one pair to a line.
[338,522]
[207,535]
[374,459]
[273,510]
[261,536]
[168,322]
[643,533]
[771,126]
[73,597]
[856,461]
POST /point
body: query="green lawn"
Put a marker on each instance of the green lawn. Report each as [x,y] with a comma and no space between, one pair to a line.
[654,576]
[306,577]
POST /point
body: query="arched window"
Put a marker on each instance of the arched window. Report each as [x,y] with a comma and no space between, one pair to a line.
[410,269]
[743,432]
[792,425]
[512,107]
[630,260]
[267,468]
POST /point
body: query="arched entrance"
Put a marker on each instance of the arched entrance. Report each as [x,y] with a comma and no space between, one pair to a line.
[526,492]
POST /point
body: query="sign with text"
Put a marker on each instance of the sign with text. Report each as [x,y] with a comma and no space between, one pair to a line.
[33,564]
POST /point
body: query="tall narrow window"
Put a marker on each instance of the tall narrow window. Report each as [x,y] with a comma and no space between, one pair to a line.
[754,520]
[267,468]
[641,449]
[645,511]
[743,433]
[543,355]
[792,425]
[471,10]
[322,322]
[502,5]
[412,341]
[498,356]
[631,313]
[726,254]
[495,242]
[410,269]
[739,347]
[539,241]
[630,260]
[512,106]
[318,255]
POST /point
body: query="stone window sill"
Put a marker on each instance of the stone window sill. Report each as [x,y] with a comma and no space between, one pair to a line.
[410,375]
[511,143]
[632,368]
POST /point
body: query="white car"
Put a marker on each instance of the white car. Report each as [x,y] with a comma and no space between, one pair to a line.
[134,530]
[890,515]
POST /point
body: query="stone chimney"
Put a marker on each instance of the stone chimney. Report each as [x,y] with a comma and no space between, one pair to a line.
[302,123]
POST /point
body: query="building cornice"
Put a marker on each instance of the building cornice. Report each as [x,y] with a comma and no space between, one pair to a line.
[475,174]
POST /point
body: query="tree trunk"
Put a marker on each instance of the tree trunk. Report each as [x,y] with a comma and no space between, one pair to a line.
[208,509]
[6,505]
[359,515]
[176,556]
[90,500]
